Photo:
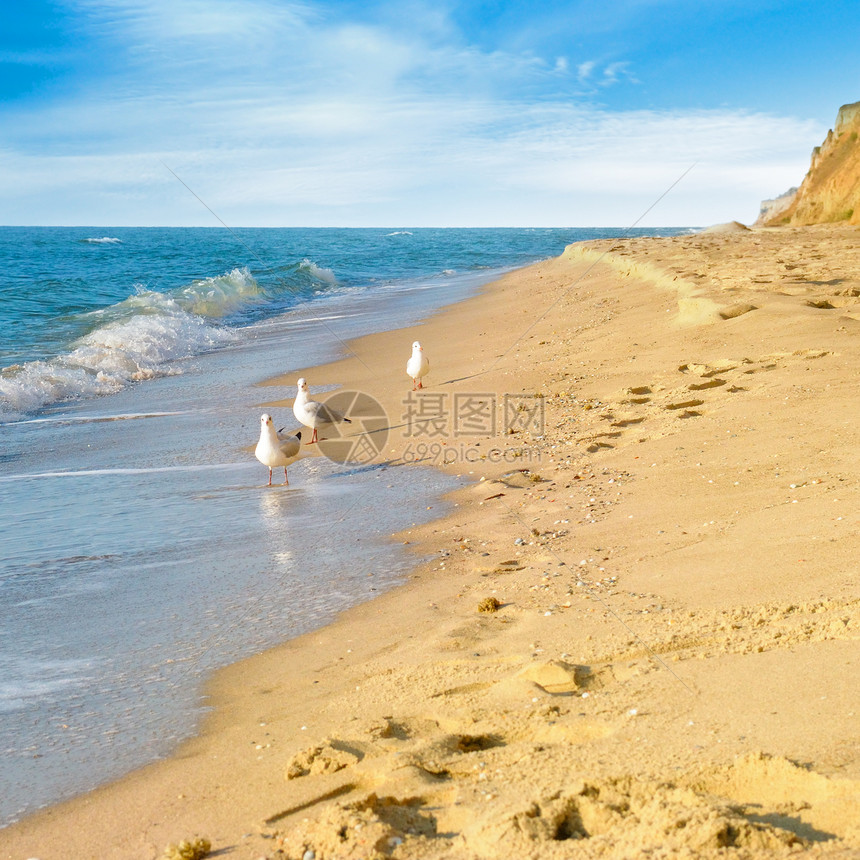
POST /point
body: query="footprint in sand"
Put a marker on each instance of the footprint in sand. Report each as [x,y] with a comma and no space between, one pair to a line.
[733,311]
[620,813]
[328,757]
[711,377]
[771,788]
[820,304]
[708,370]
[639,395]
[555,676]
[683,404]
[597,446]
[716,382]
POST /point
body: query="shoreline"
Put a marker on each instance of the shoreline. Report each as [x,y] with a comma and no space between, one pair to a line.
[645,635]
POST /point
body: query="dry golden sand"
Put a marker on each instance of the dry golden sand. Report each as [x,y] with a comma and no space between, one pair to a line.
[637,630]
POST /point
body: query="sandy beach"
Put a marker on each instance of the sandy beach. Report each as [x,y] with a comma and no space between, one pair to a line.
[634,633]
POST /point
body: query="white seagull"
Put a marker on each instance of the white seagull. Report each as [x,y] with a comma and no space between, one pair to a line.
[313,414]
[274,449]
[417,366]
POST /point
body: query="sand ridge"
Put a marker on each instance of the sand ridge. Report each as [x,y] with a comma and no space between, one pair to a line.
[636,631]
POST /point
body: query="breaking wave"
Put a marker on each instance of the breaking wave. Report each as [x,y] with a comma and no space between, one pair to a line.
[137,339]
[327,276]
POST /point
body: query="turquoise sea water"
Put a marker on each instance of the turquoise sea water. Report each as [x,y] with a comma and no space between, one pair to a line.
[139,547]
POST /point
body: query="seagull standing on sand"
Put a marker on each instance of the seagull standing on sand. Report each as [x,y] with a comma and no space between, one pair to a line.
[274,449]
[313,414]
[417,366]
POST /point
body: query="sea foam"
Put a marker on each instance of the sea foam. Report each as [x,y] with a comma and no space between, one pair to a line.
[220,296]
[134,340]
[327,276]
[37,679]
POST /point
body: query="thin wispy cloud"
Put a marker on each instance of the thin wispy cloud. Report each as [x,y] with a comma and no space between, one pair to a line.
[585,70]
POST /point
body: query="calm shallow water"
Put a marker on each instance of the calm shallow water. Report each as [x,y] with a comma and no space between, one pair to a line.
[141,550]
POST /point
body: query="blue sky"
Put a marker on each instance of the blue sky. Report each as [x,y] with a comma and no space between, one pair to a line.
[414,113]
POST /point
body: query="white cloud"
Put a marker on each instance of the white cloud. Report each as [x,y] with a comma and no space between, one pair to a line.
[614,72]
[584,70]
[275,115]
[153,22]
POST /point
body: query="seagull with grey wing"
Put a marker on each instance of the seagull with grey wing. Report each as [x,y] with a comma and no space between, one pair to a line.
[312,413]
[275,449]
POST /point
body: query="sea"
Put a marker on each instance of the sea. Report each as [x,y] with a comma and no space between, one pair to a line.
[140,548]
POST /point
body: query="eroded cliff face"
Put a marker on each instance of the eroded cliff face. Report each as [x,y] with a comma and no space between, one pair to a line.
[830,192]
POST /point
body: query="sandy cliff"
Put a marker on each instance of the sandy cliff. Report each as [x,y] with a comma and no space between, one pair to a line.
[830,192]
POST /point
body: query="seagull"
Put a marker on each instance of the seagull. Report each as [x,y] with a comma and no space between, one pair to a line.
[417,366]
[274,449]
[313,414]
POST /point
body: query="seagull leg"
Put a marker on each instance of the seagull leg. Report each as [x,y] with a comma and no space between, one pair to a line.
[285,475]
[313,437]
[420,384]
[270,476]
